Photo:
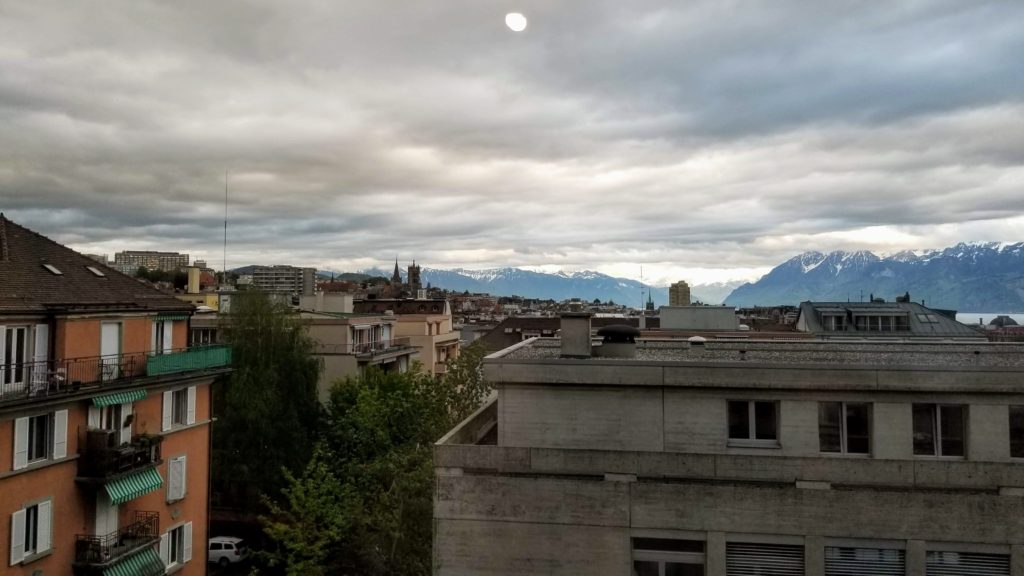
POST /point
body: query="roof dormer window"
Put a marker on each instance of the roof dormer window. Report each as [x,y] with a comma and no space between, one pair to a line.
[96,271]
[53,269]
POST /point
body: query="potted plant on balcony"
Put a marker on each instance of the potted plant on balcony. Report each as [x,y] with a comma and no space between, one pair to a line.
[150,443]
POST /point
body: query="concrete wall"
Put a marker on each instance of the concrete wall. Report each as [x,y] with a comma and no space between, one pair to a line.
[698,318]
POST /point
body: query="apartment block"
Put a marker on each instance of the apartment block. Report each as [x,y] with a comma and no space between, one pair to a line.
[427,323]
[284,279]
[104,419]
[132,260]
[647,457]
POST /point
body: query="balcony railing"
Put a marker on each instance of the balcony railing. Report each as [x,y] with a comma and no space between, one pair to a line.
[105,457]
[104,549]
[21,380]
[379,347]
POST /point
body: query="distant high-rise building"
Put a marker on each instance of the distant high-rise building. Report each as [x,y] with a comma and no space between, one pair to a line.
[166,261]
[290,279]
[679,294]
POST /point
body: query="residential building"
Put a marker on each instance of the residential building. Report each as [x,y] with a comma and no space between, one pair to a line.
[899,320]
[679,294]
[284,279]
[426,323]
[104,418]
[132,260]
[715,318]
[628,456]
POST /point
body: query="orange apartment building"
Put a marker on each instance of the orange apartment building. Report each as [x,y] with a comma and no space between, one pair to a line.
[104,419]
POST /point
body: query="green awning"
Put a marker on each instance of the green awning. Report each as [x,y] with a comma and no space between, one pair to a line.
[163,317]
[119,398]
[145,562]
[134,485]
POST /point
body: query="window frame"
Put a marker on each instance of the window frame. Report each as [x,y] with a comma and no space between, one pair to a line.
[844,439]
[179,407]
[752,441]
[664,557]
[1016,445]
[937,432]
[34,439]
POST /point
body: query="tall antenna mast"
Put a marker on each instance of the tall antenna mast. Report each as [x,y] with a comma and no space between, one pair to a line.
[224,273]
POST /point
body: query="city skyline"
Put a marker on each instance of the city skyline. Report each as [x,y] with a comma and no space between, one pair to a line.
[702,142]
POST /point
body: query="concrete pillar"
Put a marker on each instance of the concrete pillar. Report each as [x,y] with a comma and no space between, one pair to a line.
[1017,560]
[915,558]
[814,556]
[714,554]
[575,334]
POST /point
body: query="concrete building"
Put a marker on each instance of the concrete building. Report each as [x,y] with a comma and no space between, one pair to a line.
[714,318]
[284,279]
[104,419]
[738,458]
[426,323]
[679,294]
[134,259]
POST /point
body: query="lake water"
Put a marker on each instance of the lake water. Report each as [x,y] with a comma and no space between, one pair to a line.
[972,317]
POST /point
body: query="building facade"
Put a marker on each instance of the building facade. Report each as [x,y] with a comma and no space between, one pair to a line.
[738,458]
[426,323]
[104,419]
[284,279]
[132,260]
[679,294]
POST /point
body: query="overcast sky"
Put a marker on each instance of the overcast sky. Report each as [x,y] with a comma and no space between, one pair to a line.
[701,140]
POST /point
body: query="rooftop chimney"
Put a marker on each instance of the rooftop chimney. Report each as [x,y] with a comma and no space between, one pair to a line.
[575,334]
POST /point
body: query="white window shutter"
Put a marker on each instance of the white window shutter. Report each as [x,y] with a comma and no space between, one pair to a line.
[126,431]
[175,470]
[94,417]
[20,443]
[17,536]
[168,335]
[184,477]
[165,550]
[60,434]
[152,336]
[43,528]
[41,349]
[168,405]
[187,548]
[191,416]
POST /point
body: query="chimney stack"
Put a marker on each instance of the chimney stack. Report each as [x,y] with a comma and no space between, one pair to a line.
[575,334]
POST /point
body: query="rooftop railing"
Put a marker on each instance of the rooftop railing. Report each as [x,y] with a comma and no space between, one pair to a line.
[26,380]
[103,549]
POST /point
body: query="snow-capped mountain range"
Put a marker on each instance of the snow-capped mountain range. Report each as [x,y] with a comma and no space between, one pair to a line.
[585,284]
[969,277]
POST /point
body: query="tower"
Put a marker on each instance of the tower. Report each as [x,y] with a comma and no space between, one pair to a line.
[414,277]
[396,278]
[679,294]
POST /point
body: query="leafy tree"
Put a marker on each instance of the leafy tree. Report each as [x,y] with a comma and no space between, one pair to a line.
[379,435]
[268,412]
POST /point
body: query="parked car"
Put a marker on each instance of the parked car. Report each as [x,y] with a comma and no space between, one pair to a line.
[226,550]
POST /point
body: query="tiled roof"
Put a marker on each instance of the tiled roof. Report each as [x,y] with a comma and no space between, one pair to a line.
[27,286]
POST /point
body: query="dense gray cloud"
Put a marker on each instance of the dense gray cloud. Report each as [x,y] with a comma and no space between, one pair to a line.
[700,139]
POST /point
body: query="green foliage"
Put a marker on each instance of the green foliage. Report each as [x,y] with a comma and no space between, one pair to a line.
[379,433]
[267,412]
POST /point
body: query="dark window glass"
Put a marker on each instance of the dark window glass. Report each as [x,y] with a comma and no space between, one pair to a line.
[668,545]
[830,426]
[764,416]
[38,437]
[180,406]
[739,419]
[857,429]
[645,568]
[952,426]
[216,546]
[677,569]
[924,429]
[31,529]
[1017,431]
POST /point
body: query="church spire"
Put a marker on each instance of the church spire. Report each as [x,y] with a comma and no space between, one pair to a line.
[396,278]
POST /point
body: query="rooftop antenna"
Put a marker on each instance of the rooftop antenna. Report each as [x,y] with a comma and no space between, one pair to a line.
[643,320]
[224,277]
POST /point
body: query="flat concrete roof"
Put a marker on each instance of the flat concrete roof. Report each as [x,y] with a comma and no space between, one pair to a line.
[774,352]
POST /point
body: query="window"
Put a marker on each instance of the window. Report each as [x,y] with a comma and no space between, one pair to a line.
[158,337]
[947,562]
[667,557]
[749,559]
[13,355]
[176,545]
[30,531]
[179,408]
[1017,431]
[53,269]
[39,438]
[96,271]
[874,561]
[834,323]
[110,417]
[844,427]
[753,420]
[938,430]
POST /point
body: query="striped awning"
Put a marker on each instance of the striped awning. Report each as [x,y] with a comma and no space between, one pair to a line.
[119,398]
[134,485]
[164,317]
[145,562]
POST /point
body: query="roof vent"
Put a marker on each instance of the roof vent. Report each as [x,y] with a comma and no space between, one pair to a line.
[696,340]
[96,271]
[617,341]
[53,269]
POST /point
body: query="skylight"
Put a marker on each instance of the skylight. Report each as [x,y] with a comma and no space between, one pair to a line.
[95,271]
[53,269]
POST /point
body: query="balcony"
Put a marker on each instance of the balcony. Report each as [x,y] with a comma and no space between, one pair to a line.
[25,381]
[104,458]
[132,544]
[370,349]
